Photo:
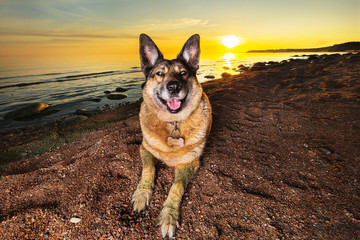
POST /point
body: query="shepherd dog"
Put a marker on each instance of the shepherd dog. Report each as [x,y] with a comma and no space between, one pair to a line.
[175,119]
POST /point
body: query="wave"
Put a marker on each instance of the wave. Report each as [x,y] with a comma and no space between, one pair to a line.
[87,75]
[21,85]
[65,78]
[32,75]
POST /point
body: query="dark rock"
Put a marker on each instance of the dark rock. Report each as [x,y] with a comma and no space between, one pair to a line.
[73,119]
[225,75]
[329,58]
[107,92]
[258,66]
[243,68]
[27,111]
[274,64]
[96,99]
[120,89]
[88,112]
[226,68]
[312,57]
[116,96]
[209,76]
[49,110]
[293,60]
[353,58]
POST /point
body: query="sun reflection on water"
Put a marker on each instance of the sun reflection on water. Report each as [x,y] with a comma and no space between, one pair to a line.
[229,57]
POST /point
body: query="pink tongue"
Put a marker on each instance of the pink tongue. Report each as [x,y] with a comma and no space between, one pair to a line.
[173,103]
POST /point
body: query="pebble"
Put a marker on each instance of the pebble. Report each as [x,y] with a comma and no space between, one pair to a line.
[325,151]
[75,220]
[254,112]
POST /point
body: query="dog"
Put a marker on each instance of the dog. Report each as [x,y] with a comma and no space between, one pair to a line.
[175,119]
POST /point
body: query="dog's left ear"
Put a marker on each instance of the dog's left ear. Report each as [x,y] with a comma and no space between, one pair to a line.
[190,53]
[149,53]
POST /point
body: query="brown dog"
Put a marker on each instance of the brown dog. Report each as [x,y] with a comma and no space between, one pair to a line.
[175,119]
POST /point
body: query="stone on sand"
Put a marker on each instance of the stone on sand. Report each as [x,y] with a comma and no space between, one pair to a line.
[120,89]
[88,112]
[73,119]
[116,96]
[27,111]
[225,75]
[209,76]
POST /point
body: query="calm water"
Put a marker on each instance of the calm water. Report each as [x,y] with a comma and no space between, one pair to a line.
[67,83]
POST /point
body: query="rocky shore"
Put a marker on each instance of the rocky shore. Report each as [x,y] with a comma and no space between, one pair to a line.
[282,162]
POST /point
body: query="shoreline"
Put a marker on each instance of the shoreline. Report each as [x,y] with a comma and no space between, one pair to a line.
[10,137]
[93,110]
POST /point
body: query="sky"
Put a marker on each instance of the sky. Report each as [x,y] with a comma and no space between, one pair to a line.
[89,27]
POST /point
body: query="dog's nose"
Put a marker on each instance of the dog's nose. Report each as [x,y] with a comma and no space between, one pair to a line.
[174,87]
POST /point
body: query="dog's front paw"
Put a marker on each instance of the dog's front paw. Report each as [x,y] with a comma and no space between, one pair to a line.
[141,198]
[168,221]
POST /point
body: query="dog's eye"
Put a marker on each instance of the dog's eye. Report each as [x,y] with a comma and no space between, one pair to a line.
[160,73]
[183,73]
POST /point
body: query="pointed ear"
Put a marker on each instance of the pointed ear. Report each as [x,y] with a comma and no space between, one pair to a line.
[190,53]
[149,53]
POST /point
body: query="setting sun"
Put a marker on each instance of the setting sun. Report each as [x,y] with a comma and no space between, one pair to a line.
[230,41]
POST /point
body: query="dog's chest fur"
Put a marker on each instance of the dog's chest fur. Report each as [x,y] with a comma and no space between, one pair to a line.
[194,130]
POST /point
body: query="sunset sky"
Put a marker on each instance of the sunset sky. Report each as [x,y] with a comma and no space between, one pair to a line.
[89,27]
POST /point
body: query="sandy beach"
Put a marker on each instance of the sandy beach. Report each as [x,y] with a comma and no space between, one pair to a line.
[282,162]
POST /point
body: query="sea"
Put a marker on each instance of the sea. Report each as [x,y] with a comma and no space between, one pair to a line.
[71,83]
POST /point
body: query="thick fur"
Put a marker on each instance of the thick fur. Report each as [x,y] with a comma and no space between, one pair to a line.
[188,107]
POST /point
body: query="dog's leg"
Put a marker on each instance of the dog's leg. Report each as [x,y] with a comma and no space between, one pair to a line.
[142,195]
[169,216]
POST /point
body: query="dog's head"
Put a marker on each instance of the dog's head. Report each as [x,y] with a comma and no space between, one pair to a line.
[171,90]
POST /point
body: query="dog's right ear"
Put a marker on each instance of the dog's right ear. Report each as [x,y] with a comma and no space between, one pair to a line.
[149,53]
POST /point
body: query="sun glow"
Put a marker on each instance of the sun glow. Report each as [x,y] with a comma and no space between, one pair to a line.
[229,56]
[230,41]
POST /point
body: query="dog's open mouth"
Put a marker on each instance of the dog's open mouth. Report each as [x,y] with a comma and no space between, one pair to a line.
[173,105]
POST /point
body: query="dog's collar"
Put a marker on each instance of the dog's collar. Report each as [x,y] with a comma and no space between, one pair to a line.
[175,133]
[174,139]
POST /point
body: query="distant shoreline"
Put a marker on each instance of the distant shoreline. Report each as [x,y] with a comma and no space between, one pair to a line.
[344,47]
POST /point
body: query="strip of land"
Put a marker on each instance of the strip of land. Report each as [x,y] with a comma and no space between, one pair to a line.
[344,47]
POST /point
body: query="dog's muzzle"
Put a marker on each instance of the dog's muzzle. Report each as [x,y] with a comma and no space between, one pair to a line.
[173,101]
